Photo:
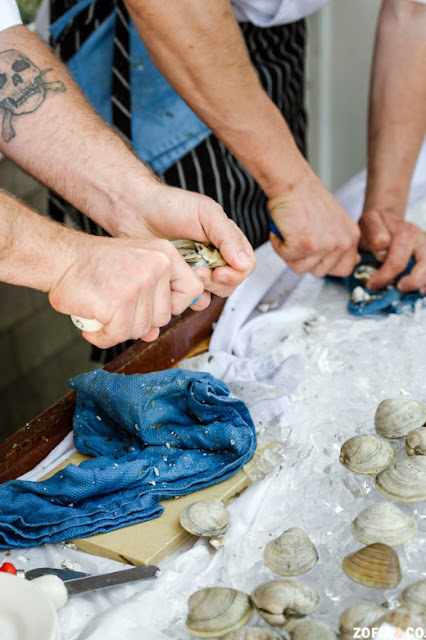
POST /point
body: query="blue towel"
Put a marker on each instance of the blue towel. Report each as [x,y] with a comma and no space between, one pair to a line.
[154,436]
[385,300]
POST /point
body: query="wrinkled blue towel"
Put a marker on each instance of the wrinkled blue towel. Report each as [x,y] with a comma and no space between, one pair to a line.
[383,301]
[154,436]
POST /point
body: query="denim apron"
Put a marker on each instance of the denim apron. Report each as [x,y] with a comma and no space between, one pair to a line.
[163,127]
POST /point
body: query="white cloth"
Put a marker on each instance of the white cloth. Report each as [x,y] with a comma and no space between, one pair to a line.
[268,13]
[9,14]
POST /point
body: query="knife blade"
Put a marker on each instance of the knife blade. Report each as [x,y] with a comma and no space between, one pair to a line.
[103,581]
[63,574]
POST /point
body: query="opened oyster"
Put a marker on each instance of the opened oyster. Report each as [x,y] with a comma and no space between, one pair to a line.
[404,481]
[415,443]
[207,518]
[291,554]
[214,611]
[309,629]
[376,565]
[415,594]
[199,254]
[384,522]
[358,617]
[279,600]
[367,454]
[396,418]
[364,272]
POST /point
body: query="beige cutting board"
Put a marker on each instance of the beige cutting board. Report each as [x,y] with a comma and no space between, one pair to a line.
[152,541]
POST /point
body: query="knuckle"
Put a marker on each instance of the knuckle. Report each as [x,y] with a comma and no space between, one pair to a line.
[306,245]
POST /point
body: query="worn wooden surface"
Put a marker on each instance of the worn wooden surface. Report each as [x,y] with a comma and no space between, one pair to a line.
[28,446]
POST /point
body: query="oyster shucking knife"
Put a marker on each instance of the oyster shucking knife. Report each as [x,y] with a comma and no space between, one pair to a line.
[196,254]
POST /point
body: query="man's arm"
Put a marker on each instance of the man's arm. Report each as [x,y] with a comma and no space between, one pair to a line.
[397,126]
[198,47]
[131,286]
[50,129]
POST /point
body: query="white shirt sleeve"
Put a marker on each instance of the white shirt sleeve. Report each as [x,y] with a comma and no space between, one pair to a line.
[9,14]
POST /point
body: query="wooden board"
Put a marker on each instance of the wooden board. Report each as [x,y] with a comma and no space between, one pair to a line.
[152,541]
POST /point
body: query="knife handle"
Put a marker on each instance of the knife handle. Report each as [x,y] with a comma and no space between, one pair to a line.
[92,325]
[85,324]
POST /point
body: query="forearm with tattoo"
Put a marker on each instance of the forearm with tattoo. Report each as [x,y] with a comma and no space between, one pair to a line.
[22,88]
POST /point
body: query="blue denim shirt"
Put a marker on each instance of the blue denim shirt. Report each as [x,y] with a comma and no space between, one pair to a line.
[164,128]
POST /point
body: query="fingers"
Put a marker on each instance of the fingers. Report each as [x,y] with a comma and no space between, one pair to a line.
[131,287]
[318,235]
[234,247]
[406,239]
[335,262]
[416,279]
[186,285]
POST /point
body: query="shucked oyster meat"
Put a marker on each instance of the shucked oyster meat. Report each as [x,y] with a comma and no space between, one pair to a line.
[199,254]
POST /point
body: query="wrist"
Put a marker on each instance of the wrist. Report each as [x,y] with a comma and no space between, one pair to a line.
[33,249]
[116,200]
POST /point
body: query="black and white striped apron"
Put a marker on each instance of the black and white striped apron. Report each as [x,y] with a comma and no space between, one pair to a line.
[277,53]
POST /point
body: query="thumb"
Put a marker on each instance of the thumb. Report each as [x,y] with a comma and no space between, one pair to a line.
[375,236]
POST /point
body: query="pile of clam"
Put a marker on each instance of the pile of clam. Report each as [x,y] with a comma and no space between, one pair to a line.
[383,525]
[221,611]
[286,602]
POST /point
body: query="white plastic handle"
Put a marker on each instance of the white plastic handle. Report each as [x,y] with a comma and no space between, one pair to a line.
[87,325]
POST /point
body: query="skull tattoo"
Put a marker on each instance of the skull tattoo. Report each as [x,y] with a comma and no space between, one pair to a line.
[22,88]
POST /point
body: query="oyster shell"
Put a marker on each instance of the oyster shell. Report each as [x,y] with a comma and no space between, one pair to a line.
[279,600]
[384,522]
[254,633]
[395,418]
[309,629]
[200,254]
[367,454]
[376,565]
[214,611]
[291,554]
[207,518]
[359,616]
[404,481]
[364,272]
[415,443]
[415,594]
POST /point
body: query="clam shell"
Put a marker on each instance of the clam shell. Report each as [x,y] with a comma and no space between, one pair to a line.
[367,454]
[278,600]
[199,254]
[376,565]
[214,611]
[404,481]
[254,633]
[207,518]
[396,418]
[359,616]
[415,444]
[415,594]
[291,554]
[309,629]
[384,522]
[404,618]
